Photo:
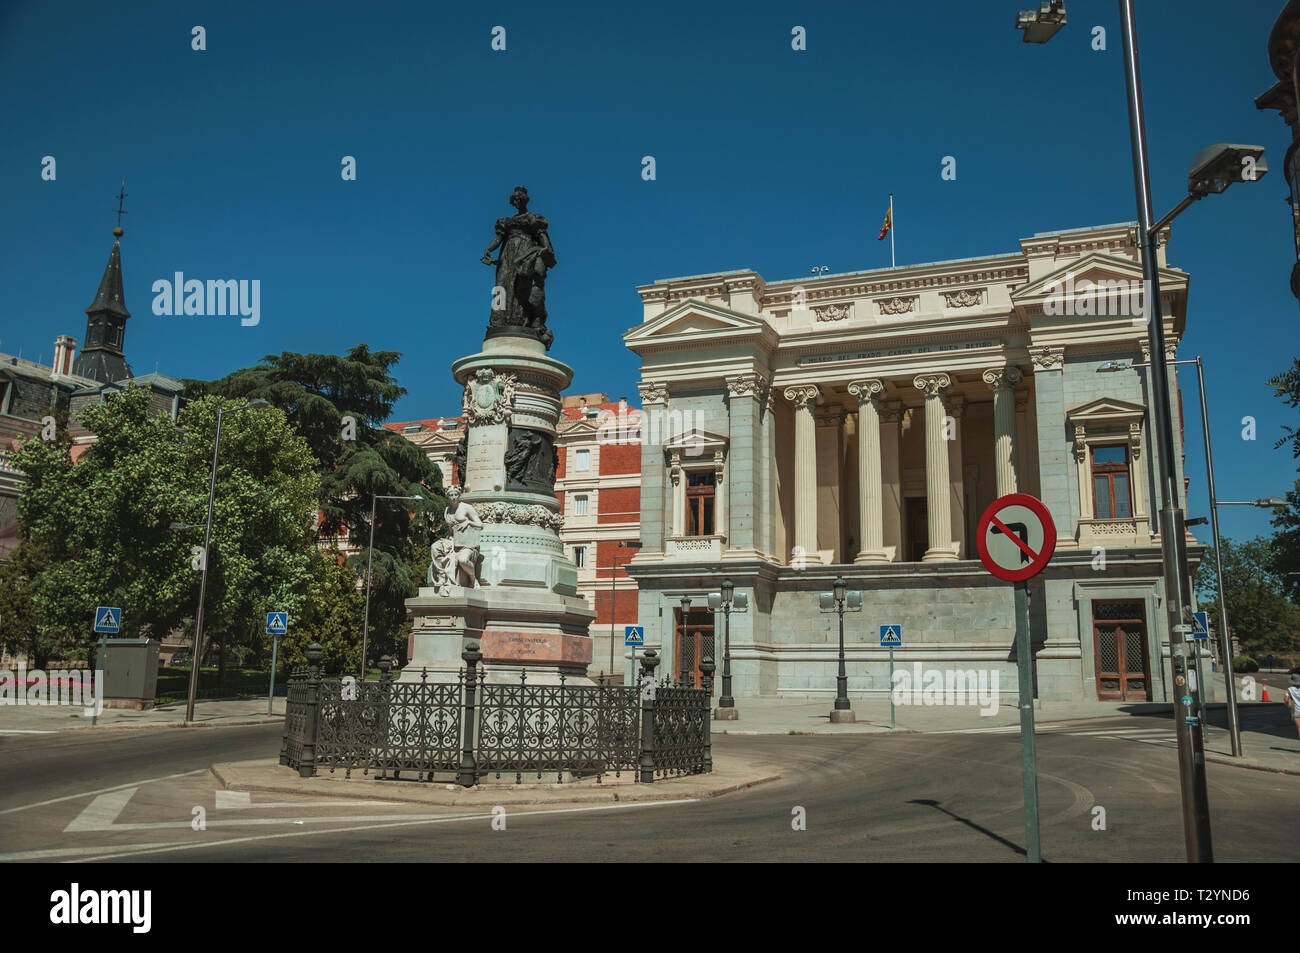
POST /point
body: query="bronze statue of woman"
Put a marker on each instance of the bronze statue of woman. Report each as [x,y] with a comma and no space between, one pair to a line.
[526,254]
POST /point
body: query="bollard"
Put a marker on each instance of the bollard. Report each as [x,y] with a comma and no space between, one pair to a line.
[647,690]
[706,669]
[468,765]
[307,766]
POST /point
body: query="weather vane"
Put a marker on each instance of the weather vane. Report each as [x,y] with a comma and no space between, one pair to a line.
[121,197]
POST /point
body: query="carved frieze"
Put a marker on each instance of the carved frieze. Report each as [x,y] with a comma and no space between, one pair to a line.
[831,312]
[521,514]
[964,298]
[653,392]
[1047,357]
[897,305]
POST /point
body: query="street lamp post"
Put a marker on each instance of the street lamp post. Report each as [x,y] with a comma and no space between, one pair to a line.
[725,599]
[197,659]
[370,556]
[1212,170]
[836,600]
[686,611]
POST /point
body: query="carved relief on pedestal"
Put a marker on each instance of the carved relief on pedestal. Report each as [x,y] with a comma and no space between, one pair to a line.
[488,397]
[523,514]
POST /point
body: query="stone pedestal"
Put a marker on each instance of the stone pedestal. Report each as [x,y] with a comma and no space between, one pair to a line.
[726,714]
[842,717]
[528,614]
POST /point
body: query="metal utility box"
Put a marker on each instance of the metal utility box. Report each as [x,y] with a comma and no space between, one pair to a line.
[130,673]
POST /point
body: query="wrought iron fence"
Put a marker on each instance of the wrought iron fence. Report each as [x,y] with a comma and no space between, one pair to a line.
[477,727]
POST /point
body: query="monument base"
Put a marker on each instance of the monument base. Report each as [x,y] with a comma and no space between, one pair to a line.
[726,714]
[842,717]
[517,629]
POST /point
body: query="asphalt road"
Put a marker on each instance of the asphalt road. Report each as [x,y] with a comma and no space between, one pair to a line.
[131,796]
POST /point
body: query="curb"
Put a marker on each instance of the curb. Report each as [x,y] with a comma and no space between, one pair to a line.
[439,795]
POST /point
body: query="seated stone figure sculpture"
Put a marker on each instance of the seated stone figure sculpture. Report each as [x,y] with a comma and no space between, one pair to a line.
[458,559]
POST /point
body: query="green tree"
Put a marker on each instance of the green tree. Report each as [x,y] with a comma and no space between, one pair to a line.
[358,460]
[331,615]
[1259,614]
[105,523]
[21,629]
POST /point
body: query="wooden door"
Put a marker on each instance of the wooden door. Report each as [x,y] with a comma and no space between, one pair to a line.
[1120,648]
[694,642]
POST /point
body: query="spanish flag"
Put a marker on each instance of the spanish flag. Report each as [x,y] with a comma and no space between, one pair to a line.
[889,223]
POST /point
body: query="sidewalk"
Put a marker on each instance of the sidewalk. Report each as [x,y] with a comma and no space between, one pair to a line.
[1268,738]
[43,719]
[730,773]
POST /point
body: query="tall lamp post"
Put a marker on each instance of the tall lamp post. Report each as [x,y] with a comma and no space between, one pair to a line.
[370,556]
[1234,723]
[1212,170]
[686,611]
[835,601]
[724,600]
[207,543]
[613,576]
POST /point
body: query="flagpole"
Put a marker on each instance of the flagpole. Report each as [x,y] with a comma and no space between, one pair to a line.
[891,230]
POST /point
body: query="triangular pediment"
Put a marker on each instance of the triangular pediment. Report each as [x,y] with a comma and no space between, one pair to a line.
[1089,272]
[694,318]
[696,439]
[1105,409]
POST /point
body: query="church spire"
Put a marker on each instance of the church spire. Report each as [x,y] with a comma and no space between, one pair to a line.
[101,357]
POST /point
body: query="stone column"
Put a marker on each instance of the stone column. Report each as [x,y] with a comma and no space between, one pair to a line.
[891,418]
[743,492]
[678,476]
[939,513]
[805,397]
[1002,381]
[654,400]
[871,524]
[1053,453]
[830,463]
[954,405]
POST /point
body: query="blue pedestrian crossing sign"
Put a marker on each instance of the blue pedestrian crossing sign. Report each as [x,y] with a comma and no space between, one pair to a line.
[634,635]
[891,635]
[108,619]
[1202,628]
[277,623]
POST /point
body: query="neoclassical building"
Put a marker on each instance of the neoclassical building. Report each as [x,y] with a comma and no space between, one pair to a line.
[857,425]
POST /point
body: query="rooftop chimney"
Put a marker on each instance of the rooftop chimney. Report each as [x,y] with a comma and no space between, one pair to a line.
[65,347]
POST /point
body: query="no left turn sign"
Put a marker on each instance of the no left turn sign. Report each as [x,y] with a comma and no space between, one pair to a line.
[1016,537]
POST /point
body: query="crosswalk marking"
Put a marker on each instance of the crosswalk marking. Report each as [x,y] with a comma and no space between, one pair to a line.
[1154,736]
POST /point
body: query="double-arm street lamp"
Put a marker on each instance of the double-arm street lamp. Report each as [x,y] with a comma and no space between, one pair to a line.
[370,556]
[835,601]
[1234,724]
[724,600]
[197,660]
[1212,170]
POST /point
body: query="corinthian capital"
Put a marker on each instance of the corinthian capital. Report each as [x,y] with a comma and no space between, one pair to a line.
[998,377]
[1048,357]
[932,385]
[653,392]
[746,385]
[866,390]
[803,395]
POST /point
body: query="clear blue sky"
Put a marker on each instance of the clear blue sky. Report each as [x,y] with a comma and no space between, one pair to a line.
[767,159]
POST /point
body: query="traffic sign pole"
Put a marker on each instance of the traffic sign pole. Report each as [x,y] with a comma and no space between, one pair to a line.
[270,692]
[891,686]
[1028,747]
